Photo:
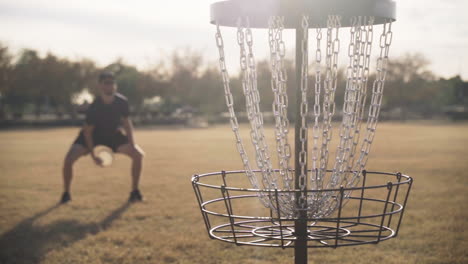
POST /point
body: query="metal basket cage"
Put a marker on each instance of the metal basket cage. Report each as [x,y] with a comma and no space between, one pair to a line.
[234,214]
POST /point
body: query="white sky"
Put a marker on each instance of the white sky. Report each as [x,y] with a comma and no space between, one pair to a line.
[140,31]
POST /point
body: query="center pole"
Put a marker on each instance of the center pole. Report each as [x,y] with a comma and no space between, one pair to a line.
[300,225]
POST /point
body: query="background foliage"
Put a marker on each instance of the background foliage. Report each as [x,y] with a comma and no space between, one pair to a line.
[34,84]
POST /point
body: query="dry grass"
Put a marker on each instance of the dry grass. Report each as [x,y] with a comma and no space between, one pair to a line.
[99,227]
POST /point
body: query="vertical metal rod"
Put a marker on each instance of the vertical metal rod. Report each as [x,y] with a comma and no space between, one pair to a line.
[404,205]
[300,225]
[364,174]
[227,203]
[339,216]
[223,176]
[198,194]
[278,211]
[390,188]
[394,199]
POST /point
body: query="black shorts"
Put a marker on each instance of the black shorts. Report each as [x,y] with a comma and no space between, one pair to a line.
[113,141]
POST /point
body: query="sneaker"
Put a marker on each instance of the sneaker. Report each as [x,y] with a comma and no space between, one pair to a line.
[65,198]
[135,196]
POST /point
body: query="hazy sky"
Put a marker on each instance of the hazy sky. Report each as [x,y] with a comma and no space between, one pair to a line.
[140,31]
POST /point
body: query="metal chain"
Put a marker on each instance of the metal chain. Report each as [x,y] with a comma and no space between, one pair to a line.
[249,84]
[350,110]
[280,103]
[303,113]
[316,110]
[366,48]
[263,155]
[328,201]
[315,178]
[232,115]
[329,86]
[376,99]
[328,106]
[280,107]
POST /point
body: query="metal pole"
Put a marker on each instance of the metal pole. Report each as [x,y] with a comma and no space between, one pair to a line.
[300,225]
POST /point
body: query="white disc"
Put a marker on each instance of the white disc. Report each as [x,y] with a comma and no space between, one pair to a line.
[105,154]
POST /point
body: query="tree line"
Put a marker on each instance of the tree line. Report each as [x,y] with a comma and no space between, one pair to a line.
[34,84]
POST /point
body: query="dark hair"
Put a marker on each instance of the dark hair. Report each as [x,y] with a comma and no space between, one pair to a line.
[106,75]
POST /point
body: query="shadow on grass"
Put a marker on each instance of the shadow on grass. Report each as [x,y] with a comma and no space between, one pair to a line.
[28,243]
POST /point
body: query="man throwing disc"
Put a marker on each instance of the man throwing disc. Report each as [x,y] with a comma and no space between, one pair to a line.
[104,119]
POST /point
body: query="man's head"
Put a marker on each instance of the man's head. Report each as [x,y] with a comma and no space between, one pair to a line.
[107,84]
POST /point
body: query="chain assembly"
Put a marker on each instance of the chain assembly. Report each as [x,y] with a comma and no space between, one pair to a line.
[348,162]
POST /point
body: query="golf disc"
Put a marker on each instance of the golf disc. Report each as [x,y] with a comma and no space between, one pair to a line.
[105,154]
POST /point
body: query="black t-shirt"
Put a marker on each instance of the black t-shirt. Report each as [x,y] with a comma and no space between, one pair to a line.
[106,118]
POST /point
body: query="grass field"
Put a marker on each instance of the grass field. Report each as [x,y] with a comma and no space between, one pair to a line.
[98,226]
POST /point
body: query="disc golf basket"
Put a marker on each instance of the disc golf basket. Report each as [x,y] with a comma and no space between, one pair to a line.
[328,199]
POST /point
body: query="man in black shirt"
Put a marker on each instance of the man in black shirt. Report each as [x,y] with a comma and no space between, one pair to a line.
[104,119]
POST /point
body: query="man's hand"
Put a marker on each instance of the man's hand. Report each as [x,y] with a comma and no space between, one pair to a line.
[97,160]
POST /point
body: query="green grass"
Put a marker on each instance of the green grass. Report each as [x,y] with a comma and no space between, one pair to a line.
[98,226]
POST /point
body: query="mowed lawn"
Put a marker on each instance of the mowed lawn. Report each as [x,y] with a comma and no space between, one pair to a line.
[98,226]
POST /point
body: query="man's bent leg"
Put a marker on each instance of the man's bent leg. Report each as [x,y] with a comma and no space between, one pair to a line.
[136,154]
[74,153]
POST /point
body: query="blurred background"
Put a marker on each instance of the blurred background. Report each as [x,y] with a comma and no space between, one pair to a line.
[165,58]
[166,62]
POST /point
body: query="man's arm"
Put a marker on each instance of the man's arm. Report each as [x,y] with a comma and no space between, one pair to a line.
[128,127]
[88,135]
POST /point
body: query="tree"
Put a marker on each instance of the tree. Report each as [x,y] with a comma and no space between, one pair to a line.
[207,87]
[5,73]
[136,85]
[67,79]
[25,78]
[186,68]
[410,85]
